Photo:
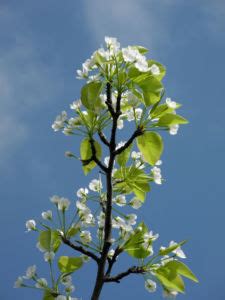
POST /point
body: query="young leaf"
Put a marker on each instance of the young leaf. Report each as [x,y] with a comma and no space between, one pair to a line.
[171,119]
[171,248]
[49,240]
[123,157]
[48,296]
[86,154]
[161,68]
[151,146]
[170,281]
[181,269]
[68,264]
[90,95]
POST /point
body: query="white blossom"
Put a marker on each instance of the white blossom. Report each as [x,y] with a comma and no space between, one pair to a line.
[141,63]
[170,103]
[111,253]
[130,54]
[158,163]
[170,294]
[55,199]
[63,204]
[47,215]
[40,248]
[134,113]
[120,123]
[178,251]
[66,280]
[101,219]
[120,200]
[31,225]
[106,161]
[59,121]
[41,283]
[95,185]
[30,272]
[19,282]
[112,44]
[157,175]
[49,256]
[76,104]
[136,155]
[85,236]
[70,288]
[174,129]
[154,69]
[150,285]
[131,219]
[150,237]
[82,193]
[136,203]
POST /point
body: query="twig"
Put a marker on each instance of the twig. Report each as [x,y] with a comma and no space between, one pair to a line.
[118,277]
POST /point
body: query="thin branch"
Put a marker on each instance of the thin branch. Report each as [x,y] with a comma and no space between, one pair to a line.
[108,102]
[80,249]
[113,260]
[139,131]
[103,138]
[118,277]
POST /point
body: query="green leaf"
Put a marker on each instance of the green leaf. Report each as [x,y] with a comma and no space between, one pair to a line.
[132,180]
[171,248]
[123,157]
[68,264]
[134,244]
[171,119]
[161,68]
[50,240]
[151,146]
[151,88]
[160,110]
[170,281]
[181,269]
[141,49]
[90,95]
[48,296]
[72,231]
[86,153]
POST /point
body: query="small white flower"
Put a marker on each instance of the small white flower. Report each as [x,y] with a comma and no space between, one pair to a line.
[85,236]
[49,256]
[41,283]
[120,123]
[112,43]
[158,163]
[154,69]
[82,193]
[111,253]
[95,185]
[120,144]
[47,215]
[63,204]
[19,282]
[76,104]
[134,113]
[101,219]
[170,103]
[67,131]
[66,280]
[59,121]
[131,219]
[174,129]
[120,200]
[150,285]
[170,294]
[30,272]
[81,206]
[130,54]
[141,63]
[157,175]
[178,251]
[136,203]
[150,237]
[55,199]
[106,161]
[69,154]
[31,225]
[70,288]
[136,155]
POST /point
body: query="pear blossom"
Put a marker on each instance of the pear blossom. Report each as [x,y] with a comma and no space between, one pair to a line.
[85,236]
[47,215]
[95,185]
[76,104]
[130,54]
[63,204]
[141,63]
[66,280]
[59,121]
[178,251]
[120,200]
[136,155]
[170,294]
[134,113]
[150,237]
[49,256]
[150,285]
[30,272]
[70,288]
[41,283]
[112,44]
[174,129]
[120,123]
[55,199]
[158,163]
[111,253]
[19,282]
[40,248]
[31,225]
[136,203]
[81,206]
[157,175]
[131,219]
[82,192]
[101,219]
[154,69]
[106,161]
[170,103]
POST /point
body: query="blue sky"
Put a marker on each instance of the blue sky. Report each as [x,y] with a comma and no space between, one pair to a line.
[42,44]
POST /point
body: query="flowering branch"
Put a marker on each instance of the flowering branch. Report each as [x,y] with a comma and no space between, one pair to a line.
[131,270]
[103,138]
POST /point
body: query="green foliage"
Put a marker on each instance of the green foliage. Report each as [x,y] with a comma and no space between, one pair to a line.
[132,180]
[123,157]
[86,154]
[134,245]
[49,240]
[48,296]
[161,68]
[171,119]
[168,250]
[151,146]
[68,264]
[90,95]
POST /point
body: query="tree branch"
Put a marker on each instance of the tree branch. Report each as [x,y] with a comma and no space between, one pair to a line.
[103,138]
[113,260]
[139,131]
[80,249]
[118,277]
